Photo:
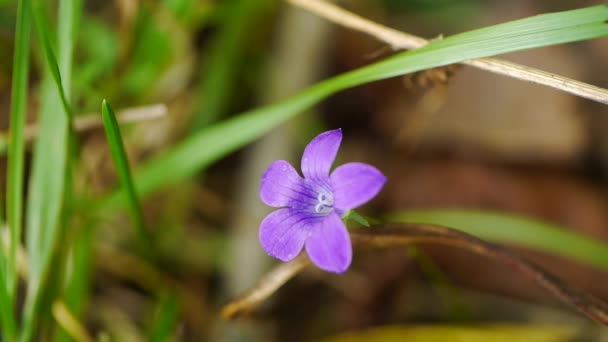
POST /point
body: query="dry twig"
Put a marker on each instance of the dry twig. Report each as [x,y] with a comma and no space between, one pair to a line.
[400,40]
[406,234]
[265,287]
[93,120]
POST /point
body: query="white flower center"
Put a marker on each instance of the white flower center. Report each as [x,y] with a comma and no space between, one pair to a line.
[325,203]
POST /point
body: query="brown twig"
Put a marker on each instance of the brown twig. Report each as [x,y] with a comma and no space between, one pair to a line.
[400,40]
[92,120]
[406,234]
[265,287]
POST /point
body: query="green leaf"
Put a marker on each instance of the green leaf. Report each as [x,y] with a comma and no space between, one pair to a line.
[15,169]
[210,144]
[224,59]
[153,50]
[48,176]
[353,215]
[167,317]
[124,173]
[43,29]
[516,230]
[78,279]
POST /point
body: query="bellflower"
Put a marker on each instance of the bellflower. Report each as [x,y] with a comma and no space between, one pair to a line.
[311,208]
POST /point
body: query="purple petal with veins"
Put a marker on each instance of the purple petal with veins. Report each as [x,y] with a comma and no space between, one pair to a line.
[329,245]
[311,207]
[354,184]
[320,154]
[283,233]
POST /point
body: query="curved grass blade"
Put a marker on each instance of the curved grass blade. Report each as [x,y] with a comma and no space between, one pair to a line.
[215,142]
[513,229]
[48,177]
[15,170]
[124,173]
[392,235]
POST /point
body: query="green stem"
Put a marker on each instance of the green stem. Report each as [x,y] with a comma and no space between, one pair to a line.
[15,167]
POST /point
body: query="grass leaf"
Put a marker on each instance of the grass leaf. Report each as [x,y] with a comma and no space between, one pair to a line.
[124,173]
[215,142]
[166,318]
[15,169]
[224,60]
[42,28]
[516,230]
[48,177]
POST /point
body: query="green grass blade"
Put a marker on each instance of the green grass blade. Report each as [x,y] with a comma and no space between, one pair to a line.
[9,326]
[15,167]
[212,143]
[167,317]
[224,60]
[516,230]
[42,28]
[7,314]
[77,278]
[124,173]
[48,176]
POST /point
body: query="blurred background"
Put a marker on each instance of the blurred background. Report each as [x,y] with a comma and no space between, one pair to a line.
[455,137]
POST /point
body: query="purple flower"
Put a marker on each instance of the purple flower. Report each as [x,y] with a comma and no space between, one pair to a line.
[311,208]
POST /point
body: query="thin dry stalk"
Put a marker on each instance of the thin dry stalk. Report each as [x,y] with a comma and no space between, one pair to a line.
[406,234]
[400,40]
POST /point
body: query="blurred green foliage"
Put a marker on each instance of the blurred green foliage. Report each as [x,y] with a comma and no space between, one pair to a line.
[194,56]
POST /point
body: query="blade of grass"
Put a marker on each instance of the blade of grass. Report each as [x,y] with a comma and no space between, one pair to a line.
[224,60]
[9,326]
[512,229]
[398,40]
[42,26]
[7,314]
[48,177]
[15,168]
[121,163]
[77,279]
[166,319]
[210,144]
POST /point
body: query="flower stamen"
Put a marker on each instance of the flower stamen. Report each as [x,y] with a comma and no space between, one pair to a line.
[325,203]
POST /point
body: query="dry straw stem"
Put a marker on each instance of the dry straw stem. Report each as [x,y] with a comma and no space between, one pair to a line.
[22,263]
[400,40]
[392,235]
[61,312]
[93,120]
[265,287]
[70,323]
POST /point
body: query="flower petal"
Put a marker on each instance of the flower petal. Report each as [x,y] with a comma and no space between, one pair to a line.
[283,233]
[354,184]
[329,245]
[281,185]
[320,154]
